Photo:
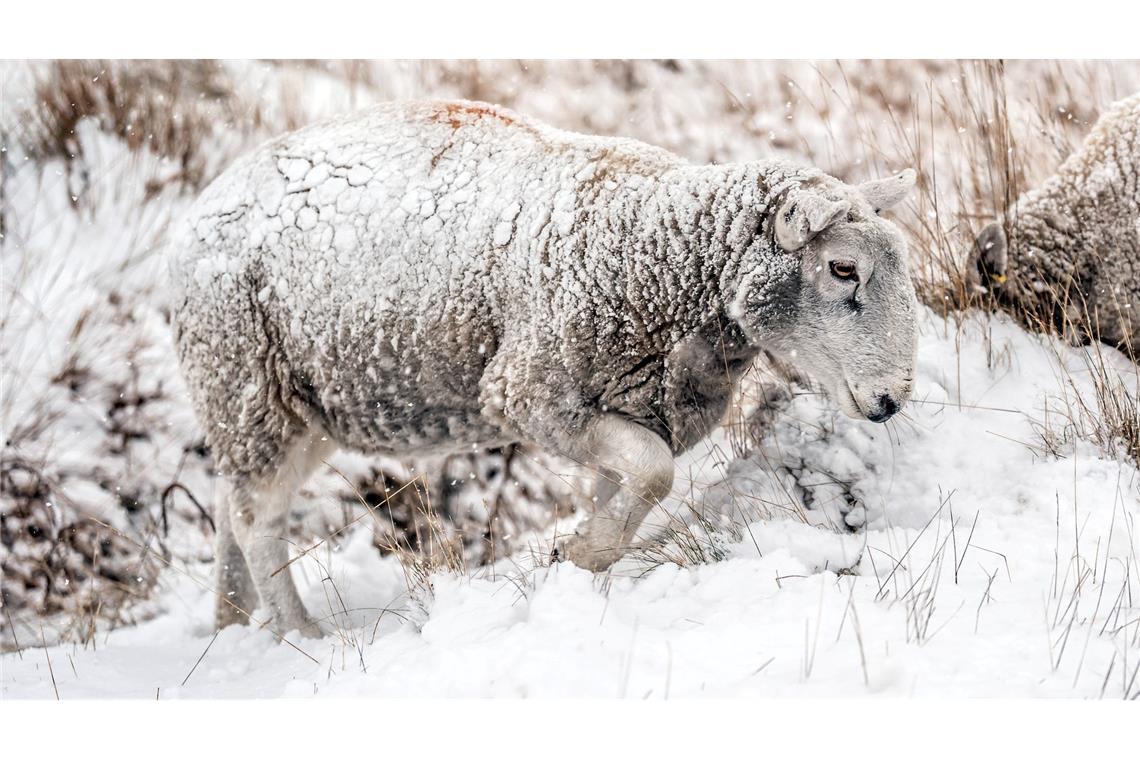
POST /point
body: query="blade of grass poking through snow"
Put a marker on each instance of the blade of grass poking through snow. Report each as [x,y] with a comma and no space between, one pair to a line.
[200,658]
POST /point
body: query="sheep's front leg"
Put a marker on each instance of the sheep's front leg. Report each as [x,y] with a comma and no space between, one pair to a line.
[635,471]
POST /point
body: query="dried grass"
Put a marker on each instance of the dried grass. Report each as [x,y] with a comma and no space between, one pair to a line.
[169,108]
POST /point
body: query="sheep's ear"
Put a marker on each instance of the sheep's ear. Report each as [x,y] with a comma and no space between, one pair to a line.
[805,216]
[990,256]
[883,194]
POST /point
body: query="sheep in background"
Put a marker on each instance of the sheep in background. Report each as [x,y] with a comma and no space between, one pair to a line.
[440,276]
[1069,252]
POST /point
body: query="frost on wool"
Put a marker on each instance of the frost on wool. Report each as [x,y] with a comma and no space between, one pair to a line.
[341,277]
[1073,252]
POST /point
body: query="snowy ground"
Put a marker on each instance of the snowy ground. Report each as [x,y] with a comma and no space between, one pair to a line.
[980,544]
[986,568]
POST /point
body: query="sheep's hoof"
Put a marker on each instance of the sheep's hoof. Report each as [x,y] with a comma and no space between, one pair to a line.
[578,551]
[225,616]
[306,626]
[317,629]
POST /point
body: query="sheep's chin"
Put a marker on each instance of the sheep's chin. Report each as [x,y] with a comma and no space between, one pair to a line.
[845,400]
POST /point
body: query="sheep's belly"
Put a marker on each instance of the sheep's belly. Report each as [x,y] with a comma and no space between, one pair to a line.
[398,425]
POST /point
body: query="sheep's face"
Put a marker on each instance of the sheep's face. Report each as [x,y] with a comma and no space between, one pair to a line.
[989,260]
[853,308]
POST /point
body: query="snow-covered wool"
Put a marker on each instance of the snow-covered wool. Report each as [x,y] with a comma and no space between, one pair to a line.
[438,276]
[1069,251]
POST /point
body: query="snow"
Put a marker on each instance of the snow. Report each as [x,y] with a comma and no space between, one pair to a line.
[985,568]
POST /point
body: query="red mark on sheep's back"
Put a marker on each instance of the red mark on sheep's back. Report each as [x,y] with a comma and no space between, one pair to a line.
[457,114]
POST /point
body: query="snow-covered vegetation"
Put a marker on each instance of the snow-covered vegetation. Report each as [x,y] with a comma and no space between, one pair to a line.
[984,542]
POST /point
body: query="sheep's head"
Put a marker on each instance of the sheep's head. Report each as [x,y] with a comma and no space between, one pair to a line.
[849,306]
[988,261]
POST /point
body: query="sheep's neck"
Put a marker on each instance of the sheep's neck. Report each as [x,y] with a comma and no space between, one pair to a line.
[682,236]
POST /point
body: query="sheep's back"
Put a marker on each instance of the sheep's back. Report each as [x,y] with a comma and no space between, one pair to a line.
[384,255]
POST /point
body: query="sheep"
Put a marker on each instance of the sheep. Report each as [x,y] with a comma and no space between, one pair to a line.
[1068,253]
[443,276]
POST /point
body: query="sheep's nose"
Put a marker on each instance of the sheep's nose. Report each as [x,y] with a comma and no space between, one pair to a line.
[886,409]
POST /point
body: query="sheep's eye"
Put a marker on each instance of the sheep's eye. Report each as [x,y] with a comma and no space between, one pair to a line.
[844,270]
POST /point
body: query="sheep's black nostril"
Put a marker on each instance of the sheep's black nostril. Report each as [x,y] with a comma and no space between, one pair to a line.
[887,408]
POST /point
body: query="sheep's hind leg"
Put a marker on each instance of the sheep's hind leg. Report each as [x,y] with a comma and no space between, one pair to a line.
[236,594]
[259,514]
[635,471]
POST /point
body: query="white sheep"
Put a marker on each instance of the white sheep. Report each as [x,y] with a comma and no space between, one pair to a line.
[447,275]
[1069,252]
